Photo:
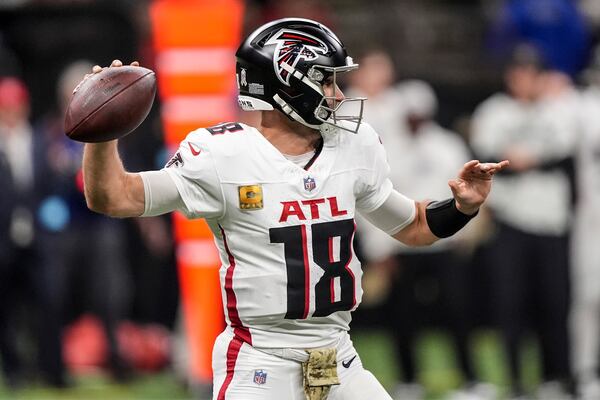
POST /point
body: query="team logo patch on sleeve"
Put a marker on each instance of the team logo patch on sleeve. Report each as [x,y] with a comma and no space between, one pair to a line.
[251,197]
[260,377]
[175,161]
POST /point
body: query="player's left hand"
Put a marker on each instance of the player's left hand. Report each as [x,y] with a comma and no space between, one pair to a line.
[473,184]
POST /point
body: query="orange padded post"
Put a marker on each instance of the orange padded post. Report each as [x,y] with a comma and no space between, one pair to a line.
[195,43]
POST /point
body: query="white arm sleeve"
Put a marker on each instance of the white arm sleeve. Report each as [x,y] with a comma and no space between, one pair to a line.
[396,212]
[374,186]
[160,193]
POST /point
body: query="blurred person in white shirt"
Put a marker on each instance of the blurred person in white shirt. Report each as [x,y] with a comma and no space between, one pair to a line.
[585,310]
[534,124]
[421,155]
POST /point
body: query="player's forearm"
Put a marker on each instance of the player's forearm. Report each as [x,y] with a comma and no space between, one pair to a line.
[109,189]
[418,232]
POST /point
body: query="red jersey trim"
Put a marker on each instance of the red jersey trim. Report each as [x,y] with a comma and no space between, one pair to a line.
[306,272]
[350,270]
[233,350]
[239,330]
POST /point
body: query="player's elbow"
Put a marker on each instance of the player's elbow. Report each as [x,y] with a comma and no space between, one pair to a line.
[108,209]
[419,238]
[103,204]
[98,204]
[417,233]
[114,198]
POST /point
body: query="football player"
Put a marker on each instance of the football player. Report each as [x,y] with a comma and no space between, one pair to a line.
[281,200]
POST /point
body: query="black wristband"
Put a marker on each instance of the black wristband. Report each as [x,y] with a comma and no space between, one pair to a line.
[444,219]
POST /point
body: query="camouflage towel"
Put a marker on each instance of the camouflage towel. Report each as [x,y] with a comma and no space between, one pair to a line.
[320,373]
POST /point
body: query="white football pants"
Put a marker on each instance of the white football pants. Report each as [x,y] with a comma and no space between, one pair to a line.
[261,376]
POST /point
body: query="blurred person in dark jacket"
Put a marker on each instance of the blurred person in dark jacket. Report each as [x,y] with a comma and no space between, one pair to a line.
[84,266]
[9,359]
[17,246]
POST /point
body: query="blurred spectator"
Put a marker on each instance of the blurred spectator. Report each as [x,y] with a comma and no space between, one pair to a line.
[535,126]
[555,27]
[421,155]
[374,80]
[84,263]
[426,158]
[17,243]
[8,357]
[585,312]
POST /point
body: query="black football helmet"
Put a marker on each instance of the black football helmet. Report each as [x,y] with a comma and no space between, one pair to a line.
[283,65]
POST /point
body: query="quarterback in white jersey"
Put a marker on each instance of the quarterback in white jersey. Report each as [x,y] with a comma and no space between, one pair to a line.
[281,200]
[284,228]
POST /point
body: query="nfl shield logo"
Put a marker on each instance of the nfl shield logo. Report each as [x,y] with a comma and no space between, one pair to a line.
[309,183]
[260,377]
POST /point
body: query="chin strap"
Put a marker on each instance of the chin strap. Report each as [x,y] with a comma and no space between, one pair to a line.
[328,129]
[289,111]
[325,128]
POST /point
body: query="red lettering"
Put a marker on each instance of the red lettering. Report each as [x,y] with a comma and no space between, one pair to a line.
[291,208]
[294,209]
[333,205]
[314,207]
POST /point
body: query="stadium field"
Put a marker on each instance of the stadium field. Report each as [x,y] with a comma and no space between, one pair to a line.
[438,373]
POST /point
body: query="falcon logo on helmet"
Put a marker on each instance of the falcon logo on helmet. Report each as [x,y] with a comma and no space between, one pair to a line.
[293,46]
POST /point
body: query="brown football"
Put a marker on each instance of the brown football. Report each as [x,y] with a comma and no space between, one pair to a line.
[110,104]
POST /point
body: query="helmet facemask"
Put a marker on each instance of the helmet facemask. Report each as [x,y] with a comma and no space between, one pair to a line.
[345,114]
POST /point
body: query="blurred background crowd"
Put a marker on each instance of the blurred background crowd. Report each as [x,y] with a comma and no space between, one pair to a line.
[509,308]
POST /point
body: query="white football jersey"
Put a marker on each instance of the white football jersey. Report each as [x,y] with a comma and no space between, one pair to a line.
[289,274]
